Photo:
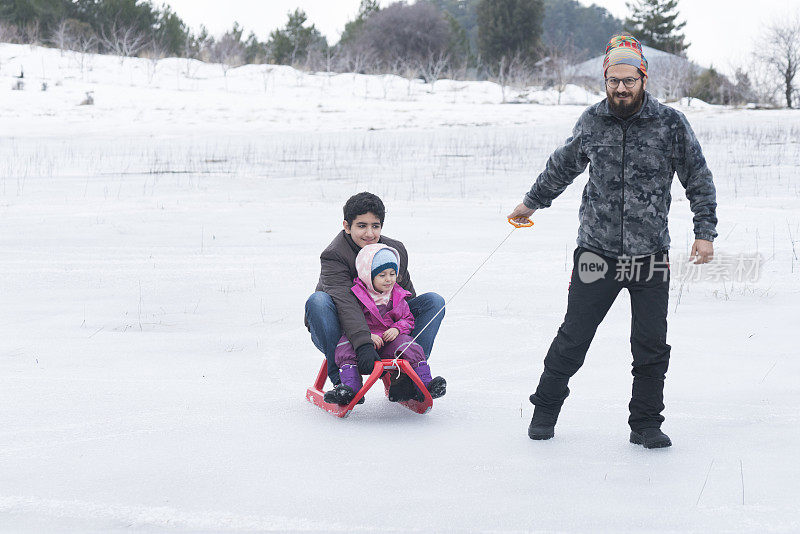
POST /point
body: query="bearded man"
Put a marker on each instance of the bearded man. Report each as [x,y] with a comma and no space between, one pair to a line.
[633,146]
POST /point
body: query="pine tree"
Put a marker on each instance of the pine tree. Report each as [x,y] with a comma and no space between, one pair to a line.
[352,28]
[587,28]
[510,28]
[465,12]
[45,12]
[653,22]
[171,31]
[254,51]
[294,42]
[458,49]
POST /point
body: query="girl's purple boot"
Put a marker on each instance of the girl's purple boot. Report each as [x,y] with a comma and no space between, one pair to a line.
[436,386]
[350,377]
[344,392]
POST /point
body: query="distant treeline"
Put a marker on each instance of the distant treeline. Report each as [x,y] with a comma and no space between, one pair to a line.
[467,32]
[124,27]
[514,42]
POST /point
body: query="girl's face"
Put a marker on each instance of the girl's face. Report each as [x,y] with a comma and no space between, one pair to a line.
[384,281]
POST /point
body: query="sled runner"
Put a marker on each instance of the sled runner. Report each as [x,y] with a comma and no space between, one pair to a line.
[315,394]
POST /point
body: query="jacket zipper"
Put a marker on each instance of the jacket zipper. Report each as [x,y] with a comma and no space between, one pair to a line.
[622,204]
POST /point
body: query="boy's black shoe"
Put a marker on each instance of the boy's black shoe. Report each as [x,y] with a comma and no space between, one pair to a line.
[437,387]
[650,438]
[403,389]
[340,394]
[543,423]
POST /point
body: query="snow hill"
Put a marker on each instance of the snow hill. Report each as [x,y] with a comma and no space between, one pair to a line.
[655,57]
[185,93]
[158,247]
[666,73]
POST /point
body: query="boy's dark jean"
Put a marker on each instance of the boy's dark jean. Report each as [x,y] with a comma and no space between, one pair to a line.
[588,302]
[323,323]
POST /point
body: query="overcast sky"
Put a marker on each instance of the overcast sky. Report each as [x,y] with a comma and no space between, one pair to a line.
[721,32]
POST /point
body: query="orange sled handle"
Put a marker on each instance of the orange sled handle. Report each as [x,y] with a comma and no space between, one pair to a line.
[520,222]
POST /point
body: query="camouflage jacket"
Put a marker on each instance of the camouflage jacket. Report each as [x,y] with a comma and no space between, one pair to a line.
[631,164]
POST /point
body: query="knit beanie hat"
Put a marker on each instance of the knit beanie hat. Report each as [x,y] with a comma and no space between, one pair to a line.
[624,50]
[384,259]
[371,260]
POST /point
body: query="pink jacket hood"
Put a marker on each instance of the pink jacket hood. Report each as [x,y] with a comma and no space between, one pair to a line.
[364,265]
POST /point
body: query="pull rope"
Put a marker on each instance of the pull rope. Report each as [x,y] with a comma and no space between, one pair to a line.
[448,301]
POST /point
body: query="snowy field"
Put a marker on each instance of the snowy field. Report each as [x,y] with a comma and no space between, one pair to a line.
[158,248]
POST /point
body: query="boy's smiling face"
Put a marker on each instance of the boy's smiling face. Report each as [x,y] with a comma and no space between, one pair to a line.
[365,230]
[384,281]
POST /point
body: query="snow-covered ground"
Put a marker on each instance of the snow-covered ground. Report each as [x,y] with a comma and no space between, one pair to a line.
[158,248]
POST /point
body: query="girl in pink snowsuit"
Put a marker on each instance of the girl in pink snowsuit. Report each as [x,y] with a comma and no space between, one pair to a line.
[389,320]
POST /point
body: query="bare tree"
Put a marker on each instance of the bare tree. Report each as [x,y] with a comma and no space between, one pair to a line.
[84,46]
[519,72]
[433,66]
[675,78]
[356,59]
[783,54]
[61,37]
[267,75]
[124,41]
[403,33]
[509,71]
[9,33]
[32,33]
[408,69]
[228,52]
[502,75]
[192,48]
[331,59]
[228,55]
[765,90]
[155,52]
[558,67]
[71,34]
[315,60]
[75,36]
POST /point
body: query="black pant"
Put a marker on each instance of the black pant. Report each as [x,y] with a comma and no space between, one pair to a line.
[590,297]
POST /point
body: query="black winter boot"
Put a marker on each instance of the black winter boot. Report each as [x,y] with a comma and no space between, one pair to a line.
[340,394]
[403,389]
[543,422]
[650,438]
[437,387]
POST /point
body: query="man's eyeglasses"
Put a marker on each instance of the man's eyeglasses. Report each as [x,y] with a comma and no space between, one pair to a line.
[613,83]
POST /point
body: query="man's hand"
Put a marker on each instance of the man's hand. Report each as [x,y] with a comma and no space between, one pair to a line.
[366,356]
[377,341]
[702,251]
[520,212]
[390,335]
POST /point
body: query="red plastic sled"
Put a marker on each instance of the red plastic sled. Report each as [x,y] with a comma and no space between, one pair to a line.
[315,394]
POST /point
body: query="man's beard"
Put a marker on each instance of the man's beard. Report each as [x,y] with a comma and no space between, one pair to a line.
[624,110]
